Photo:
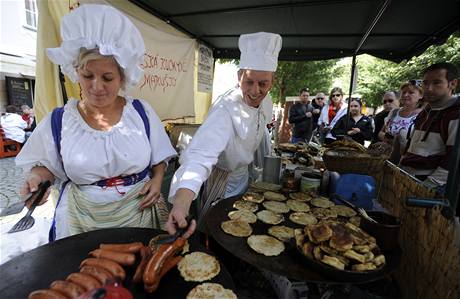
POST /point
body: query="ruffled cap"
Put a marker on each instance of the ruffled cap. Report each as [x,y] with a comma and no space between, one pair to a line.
[99,26]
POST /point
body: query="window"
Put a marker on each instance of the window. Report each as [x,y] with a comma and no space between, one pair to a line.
[31,13]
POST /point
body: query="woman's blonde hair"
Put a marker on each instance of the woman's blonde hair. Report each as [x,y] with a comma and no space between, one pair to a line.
[87,55]
[412,85]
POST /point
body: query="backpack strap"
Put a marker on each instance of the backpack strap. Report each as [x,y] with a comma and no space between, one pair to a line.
[140,109]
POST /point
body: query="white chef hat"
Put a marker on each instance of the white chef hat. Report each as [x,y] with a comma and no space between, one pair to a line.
[99,26]
[259,51]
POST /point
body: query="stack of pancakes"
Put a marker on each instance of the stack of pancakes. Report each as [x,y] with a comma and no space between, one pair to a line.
[341,245]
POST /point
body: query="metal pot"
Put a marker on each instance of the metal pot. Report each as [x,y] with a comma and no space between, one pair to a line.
[386,231]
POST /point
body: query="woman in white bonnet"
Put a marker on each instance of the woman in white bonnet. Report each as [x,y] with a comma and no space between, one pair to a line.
[109,145]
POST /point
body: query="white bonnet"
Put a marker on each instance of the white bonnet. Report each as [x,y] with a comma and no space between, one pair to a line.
[99,26]
[259,51]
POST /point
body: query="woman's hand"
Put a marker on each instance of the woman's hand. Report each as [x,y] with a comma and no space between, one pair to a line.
[152,188]
[152,192]
[36,176]
[179,212]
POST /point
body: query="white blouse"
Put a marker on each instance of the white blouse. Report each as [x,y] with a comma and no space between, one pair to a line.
[228,139]
[90,155]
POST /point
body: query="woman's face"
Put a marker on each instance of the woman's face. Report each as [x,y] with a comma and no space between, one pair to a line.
[100,82]
[336,97]
[410,96]
[355,108]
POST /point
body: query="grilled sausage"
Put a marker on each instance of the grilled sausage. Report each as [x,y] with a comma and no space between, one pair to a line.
[145,253]
[128,247]
[84,280]
[70,289]
[108,265]
[99,273]
[167,266]
[153,269]
[122,258]
[46,294]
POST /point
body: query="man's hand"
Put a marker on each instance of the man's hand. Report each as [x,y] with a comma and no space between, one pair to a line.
[316,111]
[308,114]
[179,212]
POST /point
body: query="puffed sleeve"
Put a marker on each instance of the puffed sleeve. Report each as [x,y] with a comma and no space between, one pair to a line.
[202,153]
[162,149]
[40,149]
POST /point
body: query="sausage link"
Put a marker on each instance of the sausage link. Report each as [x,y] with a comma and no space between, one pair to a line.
[46,294]
[84,280]
[167,266]
[127,247]
[108,265]
[153,269]
[123,258]
[145,253]
[70,289]
[99,273]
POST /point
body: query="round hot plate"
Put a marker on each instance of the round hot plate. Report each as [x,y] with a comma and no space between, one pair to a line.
[38,268]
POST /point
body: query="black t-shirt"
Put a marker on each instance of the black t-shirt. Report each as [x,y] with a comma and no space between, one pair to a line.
[378,122]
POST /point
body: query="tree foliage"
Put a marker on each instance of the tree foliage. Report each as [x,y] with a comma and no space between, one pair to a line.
[375,76]
[293,76]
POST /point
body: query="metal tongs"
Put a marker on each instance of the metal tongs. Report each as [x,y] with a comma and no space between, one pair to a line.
[360,211]
[167,239]
[28,221]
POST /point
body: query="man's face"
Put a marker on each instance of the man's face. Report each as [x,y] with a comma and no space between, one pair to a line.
[436,87]
[255,85]
[304,97]
[389,102]
[320,98]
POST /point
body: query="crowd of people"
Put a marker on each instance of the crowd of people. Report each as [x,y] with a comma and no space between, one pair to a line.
[420,125]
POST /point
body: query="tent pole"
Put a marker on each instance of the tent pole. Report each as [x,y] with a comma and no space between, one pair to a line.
[352,78]
[361,43]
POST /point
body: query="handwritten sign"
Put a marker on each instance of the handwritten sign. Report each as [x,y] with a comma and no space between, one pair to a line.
[205,69]
[161,72]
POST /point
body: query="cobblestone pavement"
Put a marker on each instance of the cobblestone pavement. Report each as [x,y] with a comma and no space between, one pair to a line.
[11,179]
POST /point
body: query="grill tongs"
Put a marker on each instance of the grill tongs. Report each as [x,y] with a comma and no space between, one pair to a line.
[28,221]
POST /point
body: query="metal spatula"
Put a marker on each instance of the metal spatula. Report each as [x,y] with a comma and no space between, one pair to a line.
[28,221]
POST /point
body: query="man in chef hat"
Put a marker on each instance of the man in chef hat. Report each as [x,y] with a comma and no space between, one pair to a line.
[224,145]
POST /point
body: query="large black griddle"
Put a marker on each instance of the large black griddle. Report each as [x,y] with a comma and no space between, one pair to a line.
[37,268]
[290,263]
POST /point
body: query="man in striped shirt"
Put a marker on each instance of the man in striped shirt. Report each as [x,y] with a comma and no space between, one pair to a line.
[435,128]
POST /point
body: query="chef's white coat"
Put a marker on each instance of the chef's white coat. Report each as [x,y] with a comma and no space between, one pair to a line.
[227,139]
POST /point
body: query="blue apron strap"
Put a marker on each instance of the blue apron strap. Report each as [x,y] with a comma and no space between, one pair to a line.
[140,109]
[56,126]
[52,232]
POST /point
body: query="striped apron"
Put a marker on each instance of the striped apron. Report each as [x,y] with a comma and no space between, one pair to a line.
[85,215]
[213,191]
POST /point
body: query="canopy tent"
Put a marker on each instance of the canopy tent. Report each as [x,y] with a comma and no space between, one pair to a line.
[315,29]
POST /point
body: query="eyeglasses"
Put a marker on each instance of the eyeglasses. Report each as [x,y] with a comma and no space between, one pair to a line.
[336,95]
[416,82]
[388,101]
[320,98]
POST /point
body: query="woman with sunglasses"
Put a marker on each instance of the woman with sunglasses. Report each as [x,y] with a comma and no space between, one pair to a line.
[331,113]
[358,127]
[399,120]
